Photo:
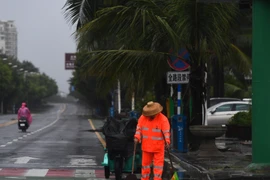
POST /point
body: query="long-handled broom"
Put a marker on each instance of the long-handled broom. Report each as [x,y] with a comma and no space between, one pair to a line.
[132,176]
[172,169]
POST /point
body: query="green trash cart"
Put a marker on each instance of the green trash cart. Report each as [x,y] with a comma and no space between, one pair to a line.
[118,156]
[118,162]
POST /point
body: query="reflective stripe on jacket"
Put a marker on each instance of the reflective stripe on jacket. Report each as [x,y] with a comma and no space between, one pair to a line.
[150,132]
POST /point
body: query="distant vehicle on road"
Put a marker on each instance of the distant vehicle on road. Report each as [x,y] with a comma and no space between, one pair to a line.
[23,124]
[221,113]
[216,100]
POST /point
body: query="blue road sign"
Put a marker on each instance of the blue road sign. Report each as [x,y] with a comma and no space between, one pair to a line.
[72,88]
[179,62]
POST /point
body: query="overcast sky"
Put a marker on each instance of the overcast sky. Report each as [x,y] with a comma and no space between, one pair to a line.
[43,35]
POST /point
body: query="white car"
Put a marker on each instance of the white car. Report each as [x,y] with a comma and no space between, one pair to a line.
[221,113]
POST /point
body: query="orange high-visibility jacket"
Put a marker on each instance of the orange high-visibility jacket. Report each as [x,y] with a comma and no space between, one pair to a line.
[150,132]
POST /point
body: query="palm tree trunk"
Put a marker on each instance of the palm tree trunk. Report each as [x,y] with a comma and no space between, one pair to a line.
[161,92]
[2,107]
[196,90]
[218,78]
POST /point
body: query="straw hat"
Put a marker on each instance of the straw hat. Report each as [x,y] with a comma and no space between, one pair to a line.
[152,108]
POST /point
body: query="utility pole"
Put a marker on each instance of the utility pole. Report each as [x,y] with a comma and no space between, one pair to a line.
[133,101]
[2,106]
[2,95]
[119,96]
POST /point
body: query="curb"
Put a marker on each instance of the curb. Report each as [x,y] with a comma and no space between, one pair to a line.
[195,171]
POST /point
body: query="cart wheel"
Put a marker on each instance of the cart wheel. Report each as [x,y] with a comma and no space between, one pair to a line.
[107,172]
[118,168]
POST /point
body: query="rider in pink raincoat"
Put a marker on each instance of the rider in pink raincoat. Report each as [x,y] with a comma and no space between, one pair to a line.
[25,112]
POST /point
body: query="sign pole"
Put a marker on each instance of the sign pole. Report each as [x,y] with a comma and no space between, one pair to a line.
[179,99]
[179,78]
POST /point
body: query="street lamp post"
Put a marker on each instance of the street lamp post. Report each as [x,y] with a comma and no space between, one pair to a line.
[26,80]
[2,96]
[25,86]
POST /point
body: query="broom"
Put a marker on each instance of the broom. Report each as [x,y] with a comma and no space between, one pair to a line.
[132,176]
[173,173]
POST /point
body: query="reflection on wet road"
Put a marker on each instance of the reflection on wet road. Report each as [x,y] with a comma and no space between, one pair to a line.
[56,145]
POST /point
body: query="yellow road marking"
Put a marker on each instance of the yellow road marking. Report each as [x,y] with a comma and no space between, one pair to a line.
[64,108]
[97,134]
[8,123]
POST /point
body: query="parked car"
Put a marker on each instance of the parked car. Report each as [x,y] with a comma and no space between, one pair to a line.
[247,100]
[221,113]
[216,100]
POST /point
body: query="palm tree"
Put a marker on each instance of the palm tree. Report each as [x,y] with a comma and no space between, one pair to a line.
[146,30]
[80,12]
[239,62]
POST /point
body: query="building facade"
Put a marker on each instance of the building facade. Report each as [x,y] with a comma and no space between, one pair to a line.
[8,38]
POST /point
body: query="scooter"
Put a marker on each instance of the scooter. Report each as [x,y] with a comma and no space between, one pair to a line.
[23,124]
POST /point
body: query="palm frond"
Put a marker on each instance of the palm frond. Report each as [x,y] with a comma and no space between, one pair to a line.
[231,88]
[195,21]
[130,24]
[137,67]
[147,29]
[80,11]
[240,60]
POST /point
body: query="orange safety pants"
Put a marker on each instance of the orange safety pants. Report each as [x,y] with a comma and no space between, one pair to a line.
[158,161]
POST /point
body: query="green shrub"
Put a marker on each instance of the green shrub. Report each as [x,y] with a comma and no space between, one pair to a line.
[241,119]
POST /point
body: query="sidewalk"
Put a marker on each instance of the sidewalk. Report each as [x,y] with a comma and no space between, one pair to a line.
[231,165]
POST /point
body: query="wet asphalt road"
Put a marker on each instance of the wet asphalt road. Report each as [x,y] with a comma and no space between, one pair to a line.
[56,142]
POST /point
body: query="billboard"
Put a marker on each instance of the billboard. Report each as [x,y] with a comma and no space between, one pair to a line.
[70,61]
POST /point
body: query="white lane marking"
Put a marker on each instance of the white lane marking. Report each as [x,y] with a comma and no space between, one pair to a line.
[23,160]
[15,177]
[84,173]
[37,172]
[59,112]
[83,162]
[80,156]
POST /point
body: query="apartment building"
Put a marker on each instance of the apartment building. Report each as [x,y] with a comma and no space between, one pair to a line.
[8,38]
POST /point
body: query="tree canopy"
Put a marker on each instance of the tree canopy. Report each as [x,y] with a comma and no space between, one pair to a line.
[22,81]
